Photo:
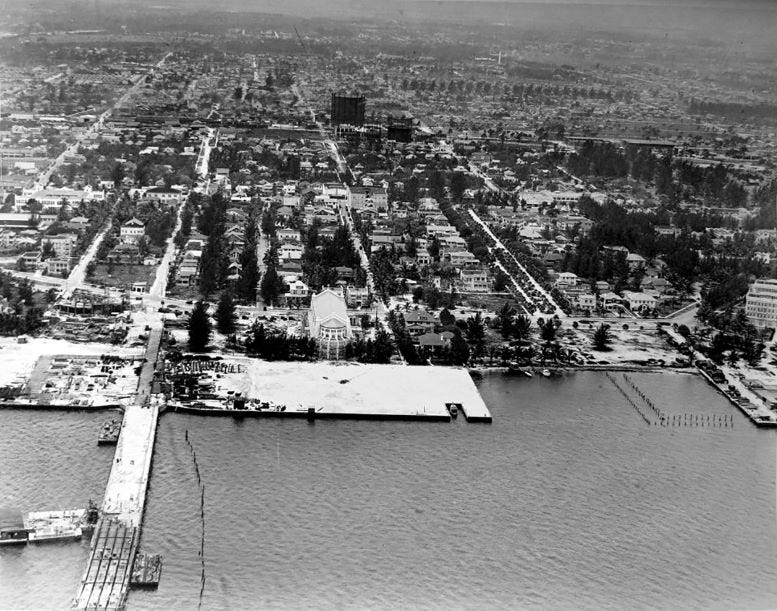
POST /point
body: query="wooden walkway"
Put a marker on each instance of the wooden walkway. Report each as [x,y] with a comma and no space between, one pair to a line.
[106,580]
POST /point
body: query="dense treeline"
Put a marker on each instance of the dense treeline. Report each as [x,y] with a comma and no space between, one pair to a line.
[675,179]
[521,91]
[322,255]
[277,345]
[734,111]
[214,261]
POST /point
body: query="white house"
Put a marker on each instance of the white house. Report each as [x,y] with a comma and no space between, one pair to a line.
[476,280]
[131,231]
[164,195]
[567,279]
[290,252]
[639,302]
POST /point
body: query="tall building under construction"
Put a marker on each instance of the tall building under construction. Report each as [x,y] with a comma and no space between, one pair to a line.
[347,109]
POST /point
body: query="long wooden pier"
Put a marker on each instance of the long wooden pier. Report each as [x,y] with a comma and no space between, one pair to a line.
[106,579]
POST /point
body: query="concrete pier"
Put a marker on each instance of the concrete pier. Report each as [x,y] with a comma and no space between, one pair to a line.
[105,582]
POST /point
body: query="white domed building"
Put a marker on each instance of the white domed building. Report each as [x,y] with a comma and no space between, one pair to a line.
[329,325]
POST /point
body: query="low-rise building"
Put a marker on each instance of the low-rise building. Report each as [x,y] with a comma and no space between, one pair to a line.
[164,195]
[357,297]
[132,231]
[418,322]
[566,279]
[57,267]
[477,280]
[639,302]
[29,260]
[290,252]
[586,301]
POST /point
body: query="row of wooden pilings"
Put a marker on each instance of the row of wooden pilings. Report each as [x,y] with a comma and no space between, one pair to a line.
[202,517]
[664,419]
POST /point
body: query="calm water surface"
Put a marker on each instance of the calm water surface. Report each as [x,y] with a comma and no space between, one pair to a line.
[568,500]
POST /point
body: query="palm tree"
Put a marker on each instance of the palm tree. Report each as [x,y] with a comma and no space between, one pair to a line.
[522,327]
[506,315]
[476,333]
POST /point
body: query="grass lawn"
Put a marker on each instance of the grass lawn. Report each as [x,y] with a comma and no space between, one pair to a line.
[123,276]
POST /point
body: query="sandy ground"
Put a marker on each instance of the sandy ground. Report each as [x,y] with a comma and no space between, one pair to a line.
[626,346]
[354,388]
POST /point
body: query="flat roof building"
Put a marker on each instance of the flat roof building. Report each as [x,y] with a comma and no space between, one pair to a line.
[761,303]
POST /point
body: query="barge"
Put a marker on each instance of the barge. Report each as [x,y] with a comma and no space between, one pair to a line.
[109,433]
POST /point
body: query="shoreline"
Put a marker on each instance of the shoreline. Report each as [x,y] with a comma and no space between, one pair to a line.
[473,372]
[268,413]
[68,407]
[558,369]
[753,417]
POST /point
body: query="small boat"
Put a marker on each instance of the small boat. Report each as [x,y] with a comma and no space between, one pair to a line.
[453,409]
[528,374]
[546,373]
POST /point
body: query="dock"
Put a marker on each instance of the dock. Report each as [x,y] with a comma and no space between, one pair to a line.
[106,579]
[759,415]
[241,386]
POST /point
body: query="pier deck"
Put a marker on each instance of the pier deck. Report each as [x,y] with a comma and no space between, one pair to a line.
[354,390]
[106,580]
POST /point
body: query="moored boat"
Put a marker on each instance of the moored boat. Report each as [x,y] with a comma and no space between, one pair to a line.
[12,530]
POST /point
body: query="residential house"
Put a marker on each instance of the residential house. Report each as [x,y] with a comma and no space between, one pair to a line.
[29,260]
[165,195]
[188,269]
[609,300]
[639,302]
[57,267]
[418,322]
[566,279]
[132,231]
[78,223]
[357,297]
[477,280]
[288,235]
[434,342]
[586,301]
[290,251]
[369,198]
[461,259]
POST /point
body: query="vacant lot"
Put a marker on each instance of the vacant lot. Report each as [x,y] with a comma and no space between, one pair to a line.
[123,276]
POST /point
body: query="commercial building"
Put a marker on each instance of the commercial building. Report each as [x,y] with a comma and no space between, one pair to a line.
[347,109]
[761,303]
